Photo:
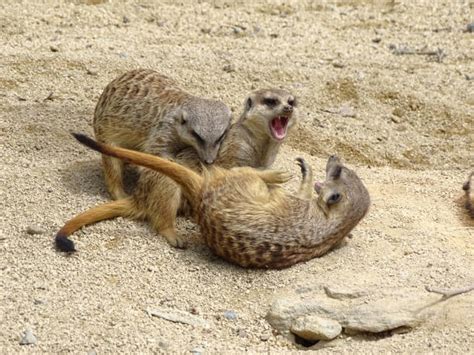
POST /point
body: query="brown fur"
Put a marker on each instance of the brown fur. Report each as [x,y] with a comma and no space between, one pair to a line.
[248,219]
[157,198]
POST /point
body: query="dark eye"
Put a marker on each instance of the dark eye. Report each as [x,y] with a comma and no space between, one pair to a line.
[219,140]
[270,102]
[198,138]
[292,102]
[334,198]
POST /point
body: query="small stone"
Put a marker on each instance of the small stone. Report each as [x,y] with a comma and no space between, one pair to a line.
[274,35]
[92,352]
[34,230]
[242,333]
[125,19]
[54,49]
[470,27]
[123,55]
[316,328]
[337,64]
[197,350]
[397,111]
[206,30]
[230,315]
[163,344]
[91,72]
[347,111]
[229,68]
[265,337]
[28,338]
[39,301]
[377,40]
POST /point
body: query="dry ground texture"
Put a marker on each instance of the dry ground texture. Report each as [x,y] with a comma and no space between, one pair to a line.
[403,121]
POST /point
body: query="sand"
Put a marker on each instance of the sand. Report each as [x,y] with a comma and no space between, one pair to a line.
[405,122]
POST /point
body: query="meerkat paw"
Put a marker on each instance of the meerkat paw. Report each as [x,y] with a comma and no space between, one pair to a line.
[174,239]
[275,176]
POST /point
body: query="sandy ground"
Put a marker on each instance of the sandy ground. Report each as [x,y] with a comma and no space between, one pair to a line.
[404,122]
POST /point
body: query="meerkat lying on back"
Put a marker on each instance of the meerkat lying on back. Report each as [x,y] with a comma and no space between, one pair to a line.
[254,140]
[146,111]
[248,219]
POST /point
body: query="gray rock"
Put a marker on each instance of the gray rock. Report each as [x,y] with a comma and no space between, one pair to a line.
[470,27]
[28,338]
[342,293]
[316,328]
[197,350]
[230,315]
[347,111]
[284,311]
[177,316]
[229,68]
[35,230]
[378,317]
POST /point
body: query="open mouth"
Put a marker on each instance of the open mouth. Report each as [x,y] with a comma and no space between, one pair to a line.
[278,127]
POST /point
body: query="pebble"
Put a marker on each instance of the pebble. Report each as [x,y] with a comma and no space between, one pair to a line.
[35,230]
[230,315]
[347,111]
[229,68]
[265,337]
[470,27]
[125,19]
[337,64]
[54,49]
[28,338]
[197,350]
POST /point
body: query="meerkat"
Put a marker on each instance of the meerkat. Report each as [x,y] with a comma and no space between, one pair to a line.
[146,111]
[469,196]
[254,140]
[247,218]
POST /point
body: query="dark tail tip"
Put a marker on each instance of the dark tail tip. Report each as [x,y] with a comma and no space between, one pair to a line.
[87,141]
[303,166]
[64,244]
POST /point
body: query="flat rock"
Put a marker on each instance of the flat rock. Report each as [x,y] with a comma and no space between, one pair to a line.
[340,293]
[378,317]
[28,338]
[177,316]
[284,311]
[316,328]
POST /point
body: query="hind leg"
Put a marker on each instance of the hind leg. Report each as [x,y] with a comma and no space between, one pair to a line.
[162,199]
[113,174]
[306,188]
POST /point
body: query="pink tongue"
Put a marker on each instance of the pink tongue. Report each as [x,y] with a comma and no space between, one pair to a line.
[278,128]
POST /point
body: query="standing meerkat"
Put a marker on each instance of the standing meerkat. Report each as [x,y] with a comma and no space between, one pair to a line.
[146,111]
[248,219]
[468,195]
[254,140]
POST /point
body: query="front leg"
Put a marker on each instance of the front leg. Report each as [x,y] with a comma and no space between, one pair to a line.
[306,187]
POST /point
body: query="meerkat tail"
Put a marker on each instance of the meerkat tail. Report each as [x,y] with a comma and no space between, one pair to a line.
[99,213]
[189,180]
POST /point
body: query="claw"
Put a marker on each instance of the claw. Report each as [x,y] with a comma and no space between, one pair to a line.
[303,166]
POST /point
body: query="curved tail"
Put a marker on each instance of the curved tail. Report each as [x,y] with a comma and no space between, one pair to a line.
[123,207]
[190,181]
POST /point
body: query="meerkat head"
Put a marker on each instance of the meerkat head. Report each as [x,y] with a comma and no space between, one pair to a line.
[273,111]
[203,124]
[342,191]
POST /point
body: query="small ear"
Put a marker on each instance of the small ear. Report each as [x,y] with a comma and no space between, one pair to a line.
[334,171]
[248,104]
[183,117]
